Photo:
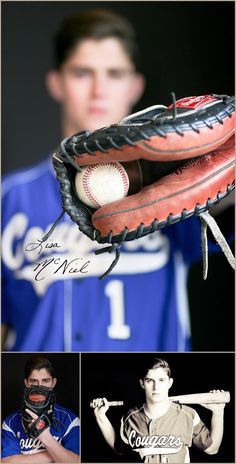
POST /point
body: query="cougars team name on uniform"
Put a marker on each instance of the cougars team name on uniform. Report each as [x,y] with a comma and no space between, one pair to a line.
[65,430]
[52,297]
[167,438]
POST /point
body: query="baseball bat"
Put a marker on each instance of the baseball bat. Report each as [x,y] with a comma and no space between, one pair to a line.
[204,398]
[193,398]
[110,403]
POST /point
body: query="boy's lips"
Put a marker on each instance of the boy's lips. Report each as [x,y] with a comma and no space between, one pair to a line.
[37,397]
[96,110]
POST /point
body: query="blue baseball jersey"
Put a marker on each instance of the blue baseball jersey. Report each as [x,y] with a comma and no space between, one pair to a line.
[52,297]
[65,430]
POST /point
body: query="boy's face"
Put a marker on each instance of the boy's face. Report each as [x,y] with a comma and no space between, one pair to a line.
[156,385]
[40,377]
[96,85]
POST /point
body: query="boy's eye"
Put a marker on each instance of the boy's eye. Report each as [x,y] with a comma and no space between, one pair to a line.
[118,73]
[82,72]
[79,72]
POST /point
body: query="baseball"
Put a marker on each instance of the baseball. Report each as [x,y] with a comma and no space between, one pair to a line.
[99,184]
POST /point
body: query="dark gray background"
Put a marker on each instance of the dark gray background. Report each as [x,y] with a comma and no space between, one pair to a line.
[186,47]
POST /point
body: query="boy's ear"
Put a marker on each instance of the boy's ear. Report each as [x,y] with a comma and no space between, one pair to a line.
[171,382]
[141,383]
[138,86]
[53,84]
[54,382]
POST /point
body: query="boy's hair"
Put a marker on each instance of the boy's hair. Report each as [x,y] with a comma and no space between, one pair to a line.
[38,362]
[155,363]
[94,24]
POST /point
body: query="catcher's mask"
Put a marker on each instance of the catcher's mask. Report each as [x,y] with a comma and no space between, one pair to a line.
[39,400]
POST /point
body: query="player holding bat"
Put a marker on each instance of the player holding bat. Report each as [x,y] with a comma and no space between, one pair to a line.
[162,430]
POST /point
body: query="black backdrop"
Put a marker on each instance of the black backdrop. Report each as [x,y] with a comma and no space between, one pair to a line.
[115,376]
[67,369]
[186,47]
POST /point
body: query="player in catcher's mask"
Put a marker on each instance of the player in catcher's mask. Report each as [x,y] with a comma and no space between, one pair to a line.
[161,430]
[42,431]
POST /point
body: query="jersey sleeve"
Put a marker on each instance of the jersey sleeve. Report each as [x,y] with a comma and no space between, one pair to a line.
[124,426]
[71,438]
[201,436]
[122,442]
[10,443]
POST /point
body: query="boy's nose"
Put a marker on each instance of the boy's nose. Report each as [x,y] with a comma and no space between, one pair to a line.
[99,86]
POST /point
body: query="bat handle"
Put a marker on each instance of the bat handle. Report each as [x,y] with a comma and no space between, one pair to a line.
[110,403]
[115,403]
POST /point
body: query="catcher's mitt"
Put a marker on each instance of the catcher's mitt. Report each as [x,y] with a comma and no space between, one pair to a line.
[39,400]
[184,158]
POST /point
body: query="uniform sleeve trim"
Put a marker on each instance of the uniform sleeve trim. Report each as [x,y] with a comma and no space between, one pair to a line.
[74,423]
[7,428]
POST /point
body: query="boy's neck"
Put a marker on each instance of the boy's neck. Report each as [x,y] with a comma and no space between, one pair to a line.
[155,410]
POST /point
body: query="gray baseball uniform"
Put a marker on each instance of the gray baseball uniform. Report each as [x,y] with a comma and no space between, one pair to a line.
[165,439]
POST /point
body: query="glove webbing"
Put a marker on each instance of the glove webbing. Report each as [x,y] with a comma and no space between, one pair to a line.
[208,220]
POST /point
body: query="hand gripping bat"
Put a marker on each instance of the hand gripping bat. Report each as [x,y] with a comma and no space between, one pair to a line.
[110,403]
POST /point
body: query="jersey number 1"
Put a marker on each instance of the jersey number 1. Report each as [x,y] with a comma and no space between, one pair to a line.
[115,292]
